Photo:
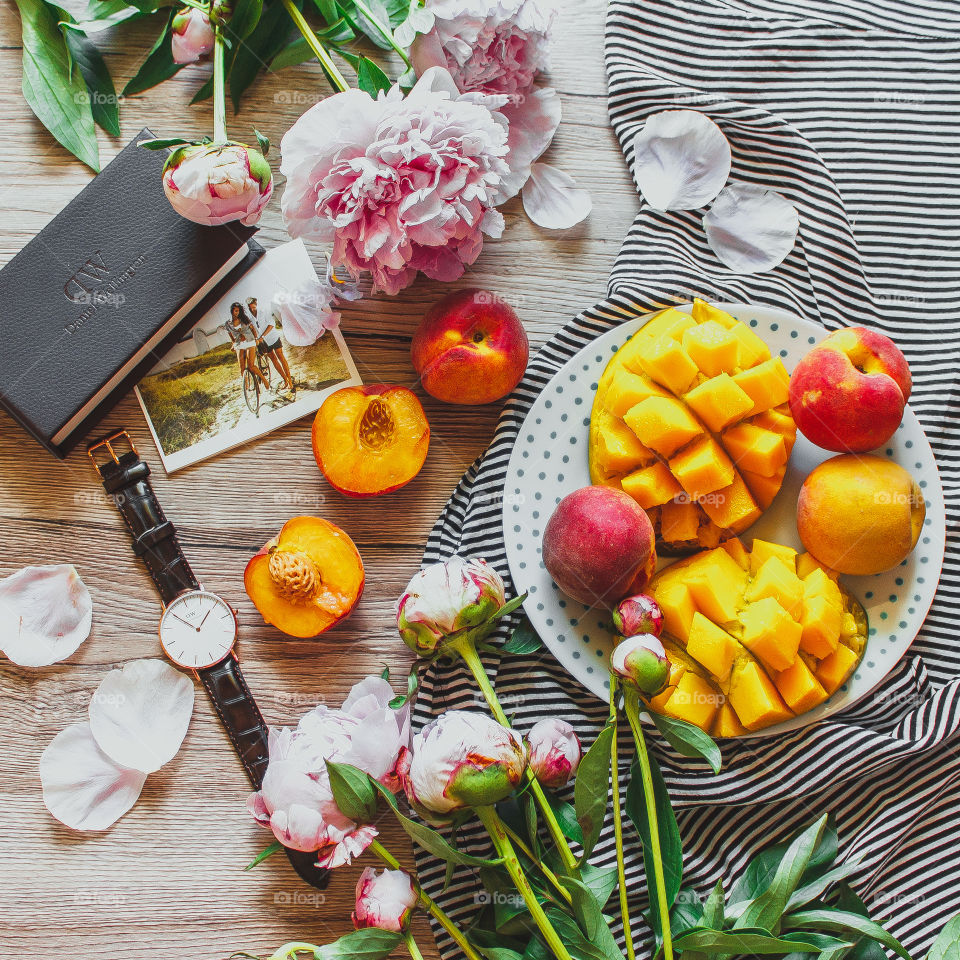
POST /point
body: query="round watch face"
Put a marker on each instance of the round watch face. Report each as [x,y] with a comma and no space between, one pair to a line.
[197,629]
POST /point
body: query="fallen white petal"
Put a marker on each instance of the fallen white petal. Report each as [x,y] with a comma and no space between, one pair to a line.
[533,121]
[140,714]
[82,787]
[681,160]
[552,198]
[751,229]
[45,614]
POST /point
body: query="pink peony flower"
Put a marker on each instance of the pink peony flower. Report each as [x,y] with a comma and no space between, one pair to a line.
[401,185]
[295,800]
[191,35]
[213,184]
[554,752]
[384,900]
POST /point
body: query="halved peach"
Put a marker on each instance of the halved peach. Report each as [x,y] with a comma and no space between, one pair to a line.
[307,578]
[370,440]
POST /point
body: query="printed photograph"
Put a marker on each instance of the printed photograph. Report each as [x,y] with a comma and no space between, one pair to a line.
[235,376]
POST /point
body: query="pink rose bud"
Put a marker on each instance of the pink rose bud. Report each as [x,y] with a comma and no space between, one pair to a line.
[191,35]
[445,598]
[554,752]
[641,662]
[463,759]
[213,184]
[638,614]
[384,900]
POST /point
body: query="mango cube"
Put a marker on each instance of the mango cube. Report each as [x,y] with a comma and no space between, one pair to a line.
[703,312]
[712,646]
[755,448]
[738,552]
[627,389]
[807,563]
[695,700]
[651,486]
[833,670]
[668,363]
[731,507]
[800,689]
[778,580]
[716,584]
[711,347]
[821,622]
[763,550]
[668,323]
[766,384]
[618,448]
[727,723]
[752,349]
[702,467]
[778,420]
[679,521]
[754,697]
[817,583]
[719,401]
[677,606]
[662,424]
[763,489]
[770,634]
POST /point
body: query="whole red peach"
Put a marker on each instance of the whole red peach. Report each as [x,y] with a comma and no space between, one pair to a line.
[848,393]
[470,348]
[599,546]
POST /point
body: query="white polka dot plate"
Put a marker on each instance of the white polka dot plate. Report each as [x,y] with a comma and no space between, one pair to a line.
[549,460]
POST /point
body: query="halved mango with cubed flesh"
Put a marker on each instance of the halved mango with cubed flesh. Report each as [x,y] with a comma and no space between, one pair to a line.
[775,644]
[682,384]
[309,577]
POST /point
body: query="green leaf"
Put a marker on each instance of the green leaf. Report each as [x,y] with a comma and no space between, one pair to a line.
[352,791]
[589,914]
[580,946]
[104,104]
[370,943]
[713,908]
[254,50]
[267,851]
[756,941]
[53,85]
[947,944]
[671,849]
[591,789]
[688,740]
[164,143]
[413,684]
[510,605]
[524,640]
[500,953]
[817,888]
[842,921]
[830,948]
[865,948]
[245,17]
[567,818]
[767,909]
[601,880]
[101,14]
[205,92]
[158,66]
[328,9]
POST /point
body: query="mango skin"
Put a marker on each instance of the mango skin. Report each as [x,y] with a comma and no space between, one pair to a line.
[860,514]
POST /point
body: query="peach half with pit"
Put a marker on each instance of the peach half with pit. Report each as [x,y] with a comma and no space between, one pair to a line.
[307,578]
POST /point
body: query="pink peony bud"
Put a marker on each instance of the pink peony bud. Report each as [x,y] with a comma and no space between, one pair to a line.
[463,759]
[641,662]
[384,900]
[554,752]
[446,598]
[213,184]
[638,614]
[191,35]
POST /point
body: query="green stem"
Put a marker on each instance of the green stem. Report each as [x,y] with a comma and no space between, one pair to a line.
[202,7]
[384,31]
[428,904]
[551,877]
[618,823]
[335,77]
[219,88]
[501,842]
[632,709]
[412,947]
[464,646]
[289,950]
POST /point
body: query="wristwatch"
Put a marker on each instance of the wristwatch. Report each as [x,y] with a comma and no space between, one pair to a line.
[198,629]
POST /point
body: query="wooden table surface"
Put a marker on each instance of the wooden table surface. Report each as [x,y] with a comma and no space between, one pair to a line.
[167,880]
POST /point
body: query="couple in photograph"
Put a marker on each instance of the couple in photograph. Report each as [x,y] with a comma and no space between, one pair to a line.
[251,335]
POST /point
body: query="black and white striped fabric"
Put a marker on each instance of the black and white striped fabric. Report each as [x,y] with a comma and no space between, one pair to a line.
[851,109]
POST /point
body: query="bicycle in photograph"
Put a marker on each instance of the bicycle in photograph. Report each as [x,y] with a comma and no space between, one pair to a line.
[251,384]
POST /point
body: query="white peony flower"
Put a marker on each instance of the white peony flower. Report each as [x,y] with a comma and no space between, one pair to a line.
[385,900]
[554,752]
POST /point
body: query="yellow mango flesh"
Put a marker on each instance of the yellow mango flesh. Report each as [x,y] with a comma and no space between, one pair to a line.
[771,643]
[680,387]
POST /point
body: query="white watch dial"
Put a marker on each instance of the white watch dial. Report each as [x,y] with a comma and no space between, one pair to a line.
[197,629]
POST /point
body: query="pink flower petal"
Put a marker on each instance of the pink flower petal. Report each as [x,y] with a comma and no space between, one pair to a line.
[533,117]
[82,787]
[552,198]
[45,614]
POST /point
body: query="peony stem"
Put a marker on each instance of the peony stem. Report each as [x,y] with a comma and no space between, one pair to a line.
[428,904]
[618,823]
[501,842]
[219,87]
[384,31]
[412,947]
[335,77]
[465,647]
[289,951]
[632,709]
[519,843]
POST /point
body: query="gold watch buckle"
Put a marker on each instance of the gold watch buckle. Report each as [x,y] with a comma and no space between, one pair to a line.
[108,442]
